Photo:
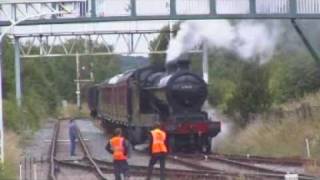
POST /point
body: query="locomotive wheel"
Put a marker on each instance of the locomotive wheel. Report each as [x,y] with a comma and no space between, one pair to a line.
[207,145]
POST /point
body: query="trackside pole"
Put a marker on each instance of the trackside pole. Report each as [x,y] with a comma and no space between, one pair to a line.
[205,62]
[17,65]
[78,82]
[1,110]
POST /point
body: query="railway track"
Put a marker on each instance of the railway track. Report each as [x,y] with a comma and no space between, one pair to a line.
[198,166]
[55,165]
[238,167]
[53,147]
[100,167]
[287,161]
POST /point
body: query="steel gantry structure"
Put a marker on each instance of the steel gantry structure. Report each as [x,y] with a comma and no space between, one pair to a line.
[116,42]
[46,12]
[89,11]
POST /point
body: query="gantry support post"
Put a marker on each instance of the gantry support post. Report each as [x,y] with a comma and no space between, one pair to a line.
[93,8]
[78,82]
[252,6]
[17,64]
[213,10]
[173,10]
[293,7]
[133,8]
[304,39]
[1,115]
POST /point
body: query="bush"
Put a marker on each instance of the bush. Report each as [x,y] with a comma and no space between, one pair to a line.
[8,170]
[26,117]
[274,138]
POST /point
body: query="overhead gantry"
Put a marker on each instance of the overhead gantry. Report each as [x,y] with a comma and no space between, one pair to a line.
[92,11]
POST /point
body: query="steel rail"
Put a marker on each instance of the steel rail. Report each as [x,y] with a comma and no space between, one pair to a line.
[141,171]
[175,173]
[53,151]
[195,165]
[244,165]
[253,167]
[168,170]
[188,160]
[290,161]
[88,155]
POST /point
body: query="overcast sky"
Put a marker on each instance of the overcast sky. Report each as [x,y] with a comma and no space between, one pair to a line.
[154,7]
[143,7]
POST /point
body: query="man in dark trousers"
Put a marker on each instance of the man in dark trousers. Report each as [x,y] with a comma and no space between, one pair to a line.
[73,133]
[158,150]
[119,148]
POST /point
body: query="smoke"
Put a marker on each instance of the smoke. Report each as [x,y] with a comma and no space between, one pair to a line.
[247,39]
[227,129]
[256,40]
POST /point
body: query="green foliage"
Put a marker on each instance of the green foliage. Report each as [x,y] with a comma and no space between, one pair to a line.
[291,78]
[238,86]
[161,43]
[223,73]
[7,172]
[251,94]
[28,116]
[8,67]
[48,81]
[102,67]
[221,92]
[274,138]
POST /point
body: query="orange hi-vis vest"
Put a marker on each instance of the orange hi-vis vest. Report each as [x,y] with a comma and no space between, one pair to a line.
[158,141]
[117,147]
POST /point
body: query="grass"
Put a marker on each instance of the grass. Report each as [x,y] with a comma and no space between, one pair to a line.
[12,151]
[71,110]
[312,99]
[277,137]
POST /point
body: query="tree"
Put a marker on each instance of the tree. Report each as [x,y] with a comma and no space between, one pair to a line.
[161,43]
[8,67]
[251,94]
[292,77]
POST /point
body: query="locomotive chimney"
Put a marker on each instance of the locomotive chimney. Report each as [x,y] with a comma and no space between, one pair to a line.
[171,67]
[181,63]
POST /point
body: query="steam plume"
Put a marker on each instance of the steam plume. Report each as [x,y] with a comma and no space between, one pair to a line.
[247,39]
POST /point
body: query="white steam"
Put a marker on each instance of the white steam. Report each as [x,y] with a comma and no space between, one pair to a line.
[247,39]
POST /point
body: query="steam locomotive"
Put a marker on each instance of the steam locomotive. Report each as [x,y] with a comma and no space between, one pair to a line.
[172,95]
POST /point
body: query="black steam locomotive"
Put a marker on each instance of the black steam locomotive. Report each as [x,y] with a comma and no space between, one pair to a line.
[172,95]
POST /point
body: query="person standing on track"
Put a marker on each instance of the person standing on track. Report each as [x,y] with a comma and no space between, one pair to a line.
[73,133]
[158,150]
[118,146]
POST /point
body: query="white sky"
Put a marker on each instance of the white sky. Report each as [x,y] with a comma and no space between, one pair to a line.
[122,8]
[153,7]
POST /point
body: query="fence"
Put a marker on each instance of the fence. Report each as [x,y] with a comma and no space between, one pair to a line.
[304,111]
[32,168]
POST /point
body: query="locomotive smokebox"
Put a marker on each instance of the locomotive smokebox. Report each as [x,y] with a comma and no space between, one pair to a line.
[180,63]
[183,64]
[171,67]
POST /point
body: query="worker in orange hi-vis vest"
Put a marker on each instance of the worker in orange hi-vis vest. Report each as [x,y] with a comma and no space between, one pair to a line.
[118,146]
[158,150]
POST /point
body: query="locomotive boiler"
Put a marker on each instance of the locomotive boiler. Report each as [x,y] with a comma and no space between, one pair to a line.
[172,95]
